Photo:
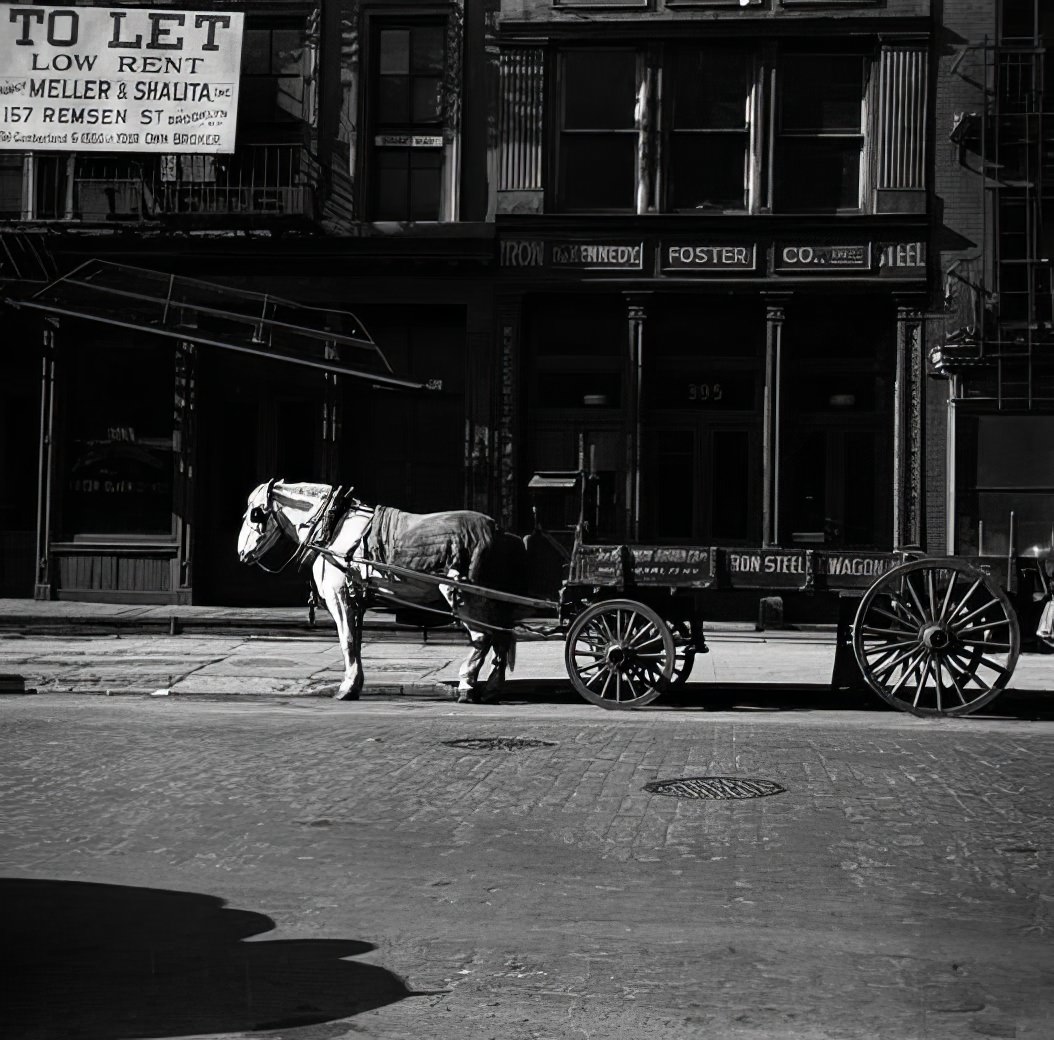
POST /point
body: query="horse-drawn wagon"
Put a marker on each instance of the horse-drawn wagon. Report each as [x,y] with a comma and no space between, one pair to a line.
[929,635]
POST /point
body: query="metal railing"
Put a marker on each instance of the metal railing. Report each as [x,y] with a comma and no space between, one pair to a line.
[272,180]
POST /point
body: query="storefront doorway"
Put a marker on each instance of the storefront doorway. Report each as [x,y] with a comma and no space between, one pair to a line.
[701,423]
[257,419]
[702,483]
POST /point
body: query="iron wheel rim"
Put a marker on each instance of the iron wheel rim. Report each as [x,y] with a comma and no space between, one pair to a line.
[936,637]
[619,654]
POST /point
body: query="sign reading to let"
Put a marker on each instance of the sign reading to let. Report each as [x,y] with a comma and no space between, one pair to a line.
[130,79]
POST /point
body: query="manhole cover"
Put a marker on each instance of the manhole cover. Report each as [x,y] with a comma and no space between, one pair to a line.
[499,743]
[714,787]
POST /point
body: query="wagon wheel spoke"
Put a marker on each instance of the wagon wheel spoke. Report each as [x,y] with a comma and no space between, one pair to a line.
[915,597]
[948,599]
[983,627]
[985,644]
[968,676]
[871,630]
[926,670]
[582,668]
[890,647]
[961,605]
[908,672]
[936,670]
[889,666]
[898,618]
[957,622]
[951,676]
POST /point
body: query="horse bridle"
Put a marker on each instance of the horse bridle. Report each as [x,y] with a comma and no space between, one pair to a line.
[260,514]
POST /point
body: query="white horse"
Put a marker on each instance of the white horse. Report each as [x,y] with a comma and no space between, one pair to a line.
[344,535]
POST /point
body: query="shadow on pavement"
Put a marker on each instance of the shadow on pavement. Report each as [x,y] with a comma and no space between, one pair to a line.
[773,697]
[107,962]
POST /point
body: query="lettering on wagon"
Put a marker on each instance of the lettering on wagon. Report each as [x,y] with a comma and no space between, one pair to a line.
[766,563]
[856,567]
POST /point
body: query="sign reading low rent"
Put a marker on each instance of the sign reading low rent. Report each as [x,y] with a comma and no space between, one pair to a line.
[130,79]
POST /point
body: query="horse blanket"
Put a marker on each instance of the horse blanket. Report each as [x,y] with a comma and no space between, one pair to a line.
[468,543]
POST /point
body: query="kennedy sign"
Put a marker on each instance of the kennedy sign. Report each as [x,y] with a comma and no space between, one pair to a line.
[89,79]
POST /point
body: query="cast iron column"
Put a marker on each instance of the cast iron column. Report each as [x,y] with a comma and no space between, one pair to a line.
[637,316]
[907,430]
[185,452]
[46,462]
[775,314]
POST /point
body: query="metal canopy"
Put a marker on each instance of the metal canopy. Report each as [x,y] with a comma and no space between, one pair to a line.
[216,315]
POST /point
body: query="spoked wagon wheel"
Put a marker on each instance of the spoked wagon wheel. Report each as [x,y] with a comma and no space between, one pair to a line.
[936,637]
[619,654]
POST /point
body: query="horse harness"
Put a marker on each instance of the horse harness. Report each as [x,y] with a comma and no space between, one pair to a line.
[321,527]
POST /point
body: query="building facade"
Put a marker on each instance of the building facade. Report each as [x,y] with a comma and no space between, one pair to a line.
[352,209]
[713,225]
[747,262]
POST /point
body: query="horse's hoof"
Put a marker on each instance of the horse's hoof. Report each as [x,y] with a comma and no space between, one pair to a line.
[467,697]
[346,695]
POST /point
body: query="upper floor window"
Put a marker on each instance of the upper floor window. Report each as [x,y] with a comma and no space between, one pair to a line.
[598,136]
[408,121]
[820,132]
[278,75]
[709,136]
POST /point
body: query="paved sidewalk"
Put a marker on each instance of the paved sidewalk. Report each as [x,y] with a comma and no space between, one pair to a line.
[212,651]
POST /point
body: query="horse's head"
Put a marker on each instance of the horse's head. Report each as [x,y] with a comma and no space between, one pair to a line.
[260,528]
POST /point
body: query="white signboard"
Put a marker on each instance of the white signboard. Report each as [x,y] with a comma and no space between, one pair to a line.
[87,79]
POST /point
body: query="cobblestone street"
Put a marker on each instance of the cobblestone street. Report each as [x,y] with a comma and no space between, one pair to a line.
[900,888]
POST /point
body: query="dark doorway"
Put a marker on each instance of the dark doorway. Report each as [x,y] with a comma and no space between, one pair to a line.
[257,419]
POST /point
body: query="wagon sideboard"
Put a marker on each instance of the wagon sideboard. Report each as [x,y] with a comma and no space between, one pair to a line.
[626,567]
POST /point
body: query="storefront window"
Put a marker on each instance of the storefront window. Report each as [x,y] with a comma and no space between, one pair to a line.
[1006,466]
[709,136]
[119,446]
[597,160]
[820,133]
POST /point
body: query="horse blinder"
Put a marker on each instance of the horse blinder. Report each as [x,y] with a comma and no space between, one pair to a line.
[258,515]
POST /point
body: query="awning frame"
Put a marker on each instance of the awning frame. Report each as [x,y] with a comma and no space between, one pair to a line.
[257,345]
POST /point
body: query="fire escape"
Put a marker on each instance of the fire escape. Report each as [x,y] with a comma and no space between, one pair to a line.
[999,330]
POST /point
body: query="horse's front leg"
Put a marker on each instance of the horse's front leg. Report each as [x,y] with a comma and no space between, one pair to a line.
[347,613]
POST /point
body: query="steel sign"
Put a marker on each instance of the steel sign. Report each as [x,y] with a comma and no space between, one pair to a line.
[130,79]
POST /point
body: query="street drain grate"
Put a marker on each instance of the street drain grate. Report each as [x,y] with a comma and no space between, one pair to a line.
[714,787]
[499,743]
